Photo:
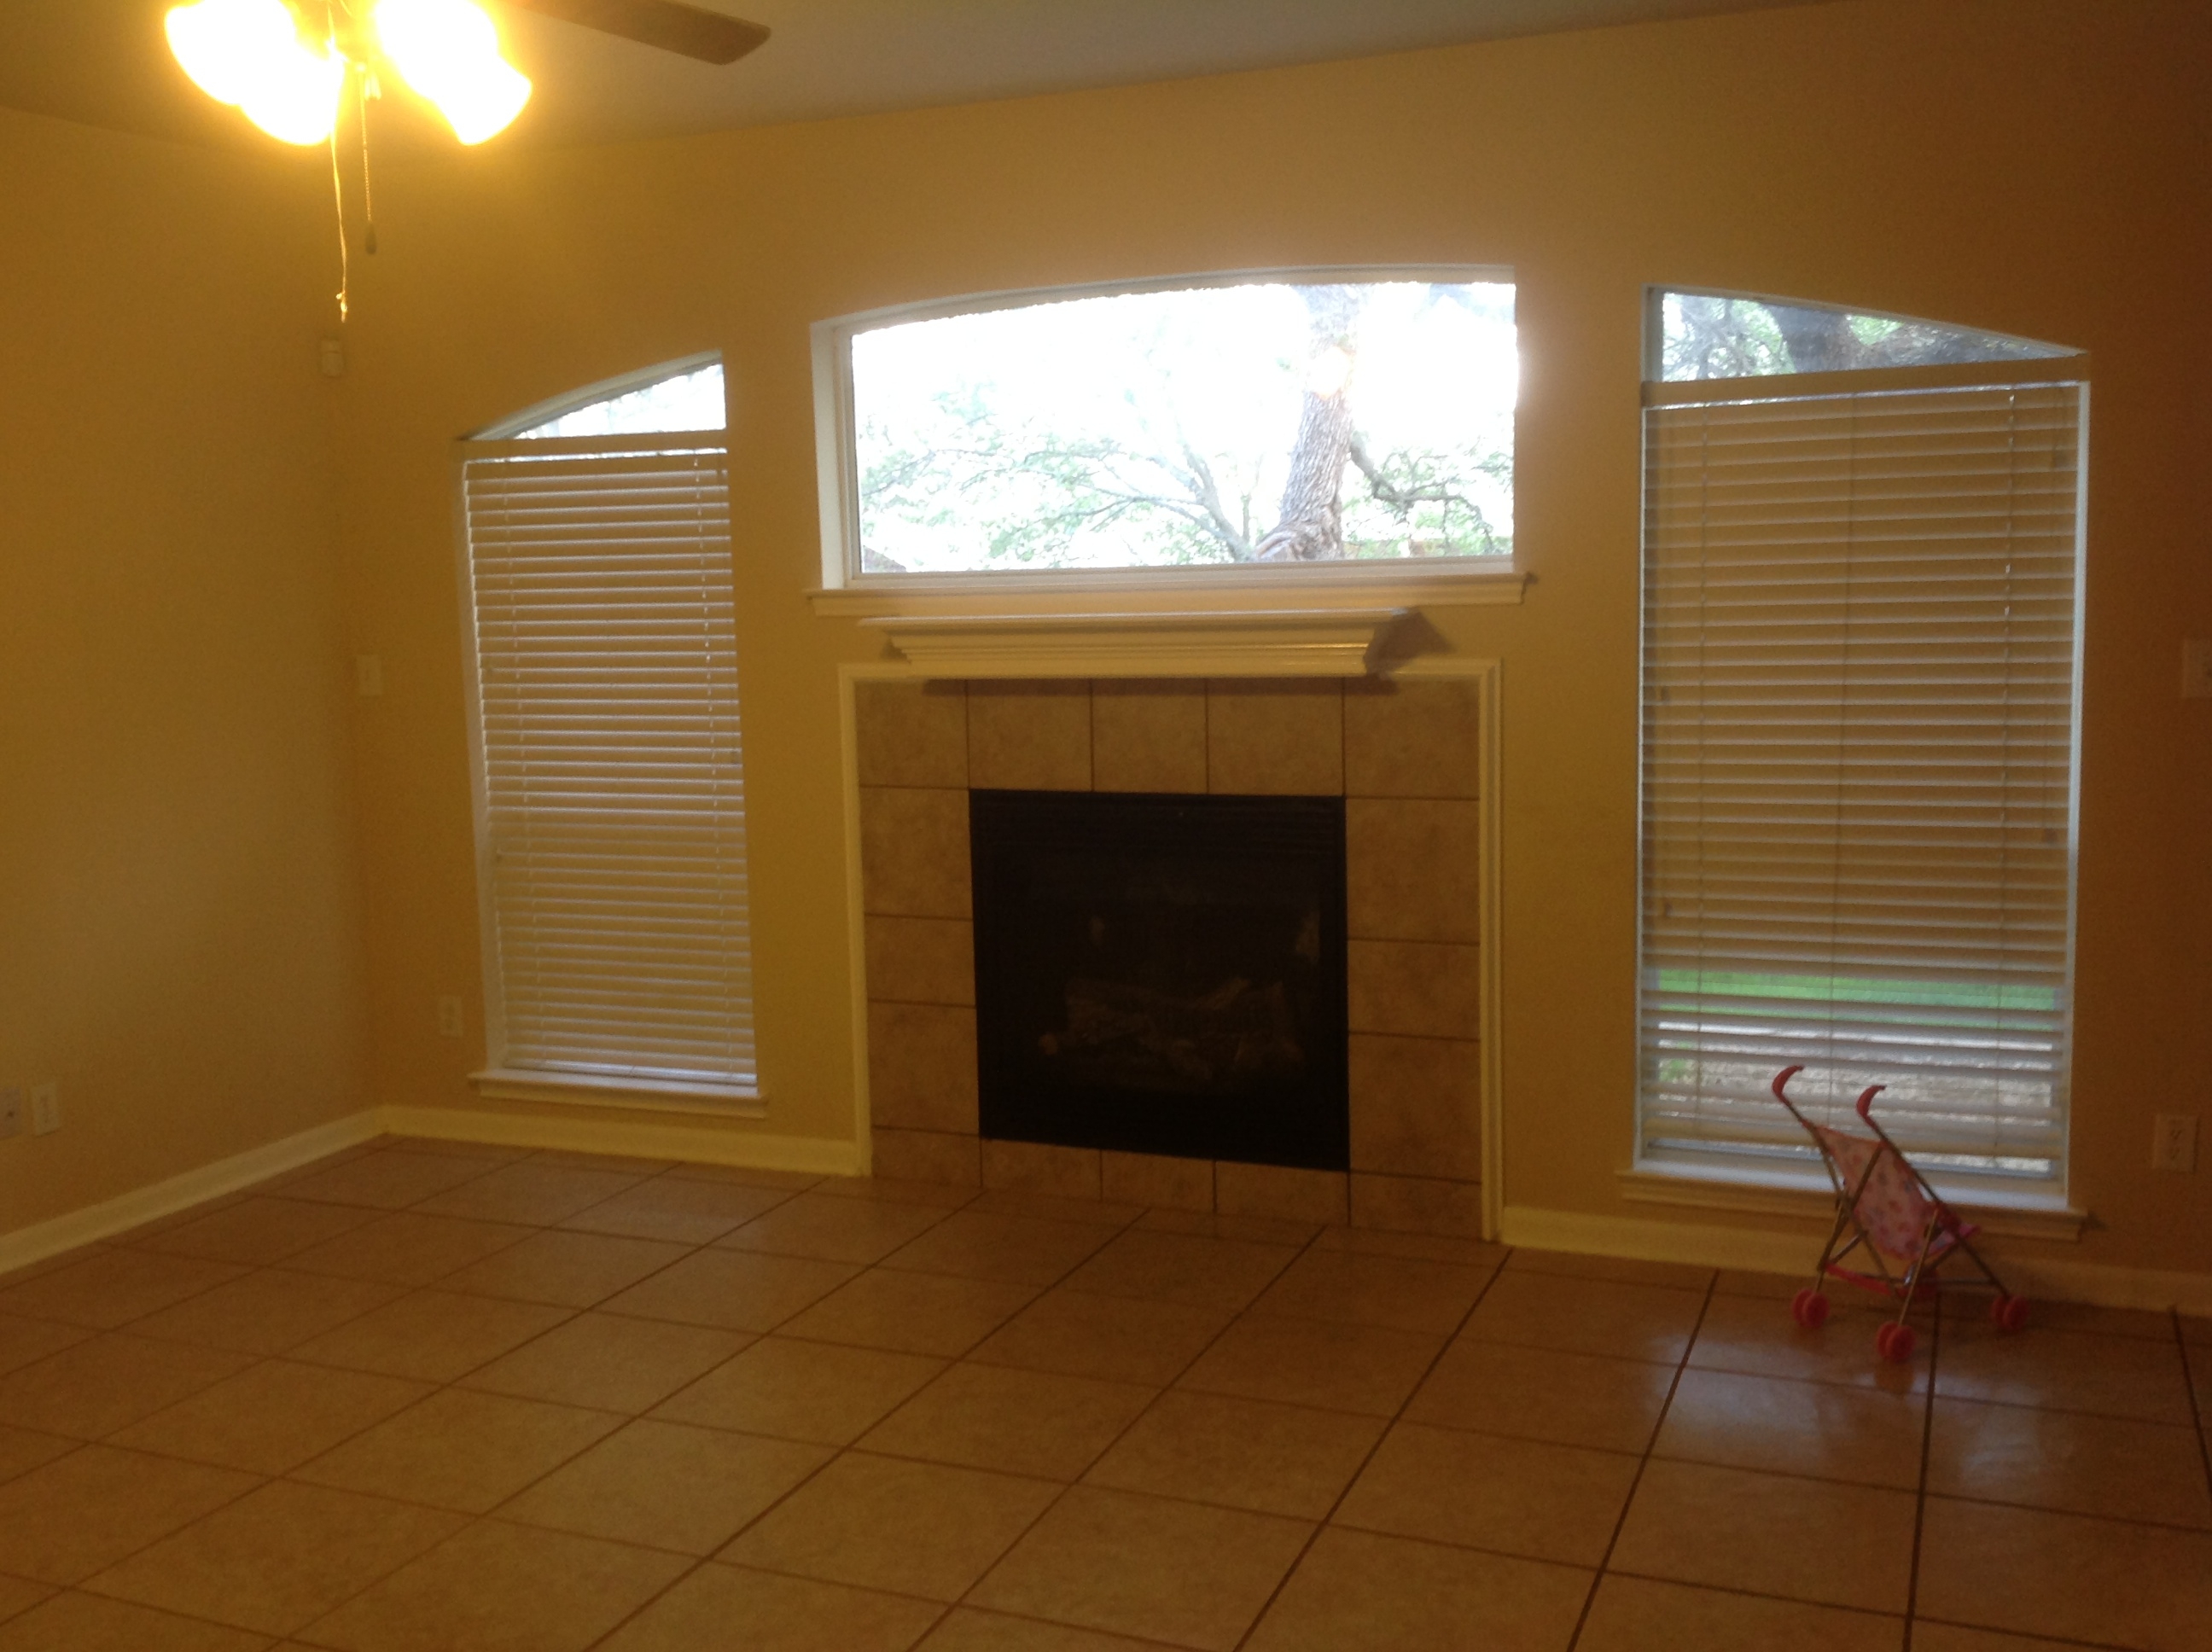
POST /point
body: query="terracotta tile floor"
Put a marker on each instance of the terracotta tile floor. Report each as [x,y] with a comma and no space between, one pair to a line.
[423,1398]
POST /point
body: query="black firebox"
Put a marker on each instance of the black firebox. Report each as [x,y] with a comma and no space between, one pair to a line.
[1162,974]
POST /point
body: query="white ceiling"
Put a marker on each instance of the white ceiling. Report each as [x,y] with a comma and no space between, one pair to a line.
[105,61]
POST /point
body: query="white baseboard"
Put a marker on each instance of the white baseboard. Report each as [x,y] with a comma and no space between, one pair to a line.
[1765,1250]
[150,1204]
[626,1138]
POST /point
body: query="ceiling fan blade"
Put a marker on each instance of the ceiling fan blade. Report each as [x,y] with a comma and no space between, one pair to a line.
[673,26]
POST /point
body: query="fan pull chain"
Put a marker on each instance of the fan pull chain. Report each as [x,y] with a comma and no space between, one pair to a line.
[338,199]
[368,88]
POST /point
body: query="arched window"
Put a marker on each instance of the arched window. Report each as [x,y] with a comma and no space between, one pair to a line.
[609,762]
[1862,566]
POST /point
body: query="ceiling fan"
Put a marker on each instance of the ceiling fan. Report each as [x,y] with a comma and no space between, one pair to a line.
[285,63]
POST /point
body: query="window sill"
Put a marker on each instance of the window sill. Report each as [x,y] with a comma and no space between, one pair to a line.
[1315,588]
[652,1096]
[2024,1218]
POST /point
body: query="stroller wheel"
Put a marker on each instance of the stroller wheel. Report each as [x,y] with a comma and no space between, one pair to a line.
[2009,1313]
[1893,1342]
[1810,1309]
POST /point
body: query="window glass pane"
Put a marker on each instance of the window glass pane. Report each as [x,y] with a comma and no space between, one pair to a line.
[690,401]
[1709,337]
[1266,423]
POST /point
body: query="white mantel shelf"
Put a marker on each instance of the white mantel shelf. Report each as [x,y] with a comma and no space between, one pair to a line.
[1262,642]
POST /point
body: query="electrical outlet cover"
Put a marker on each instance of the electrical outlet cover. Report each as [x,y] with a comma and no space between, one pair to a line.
[2173,1145]
[45,1108]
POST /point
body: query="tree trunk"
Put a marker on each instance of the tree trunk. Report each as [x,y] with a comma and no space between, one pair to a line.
[1310,524]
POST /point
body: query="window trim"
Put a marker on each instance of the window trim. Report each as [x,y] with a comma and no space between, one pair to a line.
[511,427]
[1214,588]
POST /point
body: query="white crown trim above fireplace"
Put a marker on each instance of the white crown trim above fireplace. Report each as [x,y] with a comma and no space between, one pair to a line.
[1256,643]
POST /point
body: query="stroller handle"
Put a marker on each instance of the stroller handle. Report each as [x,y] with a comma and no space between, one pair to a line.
[1866,1101]
[1783,1078]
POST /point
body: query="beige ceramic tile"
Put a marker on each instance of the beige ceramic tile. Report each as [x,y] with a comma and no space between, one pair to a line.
[732,1289]
[2196,1330]
[530,1190]
[967,1630]
[876,1522]
[105,1383]
[912,1313]
[1757,1336]
[1486,1492]
[277,1558]
[1148,735]
[1411,870]
[1215,1225]
[1151,1567]
[1275,736]
[566,1270]
[633,1166]
[2068,1461]
[24,1342]
[1970,1313]
[1019,1249]
[1354,1368]
[680,1209]
[1184,1184]
[1192,1269]
[1412,739]
[667,1485]
[386,1180]
[798,1390]
[1246,1454]
[408,1247]
[744,1175]
[1824,1430]
[2034,1572]
[84,1512]
[1817,1541]
[269,1311]
[1417,1106]
[113,1287]
[272,1417]
[257,1232]
[894,1190]
[1126,1338]
[1636,1614]
[609,1362]
[1029,735]
[22,1449]
[1400,1293]
[2112,1376]
[1930,1637]
[1743,1282]
[1424,989]
[1620,1270]
[921,1066]
[1055,1208]
[1423,1247]
[1042,1168]
[911,733]
[1539,1393]
[943,1156]
[432,1336]
[1588,1316]
[88,1623]
[17,1596]
[1358,1592]
[489,1152]
[1038,1423]
[922,960]
[461,1450]
[914,853]
[516,1589]
[836,1229]
[735,1606]
[1281,1193]
[1417,1204]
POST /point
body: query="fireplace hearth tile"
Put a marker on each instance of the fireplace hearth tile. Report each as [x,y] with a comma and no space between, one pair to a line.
[1427,989]
[937,1156]
[1415,1206]
[1411,739]
[911,733]
[914,851]
[927,961]
[1148,736]
[1158,1180]
[1275,738]
[1412,872]
[1416,1106]
[1278,1191]
[921,1066]
[1042,1168]
[1029,735]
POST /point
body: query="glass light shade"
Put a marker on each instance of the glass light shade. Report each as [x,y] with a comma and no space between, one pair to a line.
[448,50]
[249,54]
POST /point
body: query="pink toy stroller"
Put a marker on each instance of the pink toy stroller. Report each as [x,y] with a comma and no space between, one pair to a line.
[1890,1210]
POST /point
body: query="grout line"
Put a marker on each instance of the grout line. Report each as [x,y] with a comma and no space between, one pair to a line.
[2196,1410]
[1635,1482]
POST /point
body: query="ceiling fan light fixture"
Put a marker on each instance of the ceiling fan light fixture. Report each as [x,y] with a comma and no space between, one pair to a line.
[448,51]
[250,53]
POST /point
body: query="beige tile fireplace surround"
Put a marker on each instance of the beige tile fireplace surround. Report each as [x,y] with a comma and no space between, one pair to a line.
[1405,755]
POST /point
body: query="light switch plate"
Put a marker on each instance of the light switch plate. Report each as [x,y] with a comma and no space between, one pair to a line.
[2174,1145]
[45,1108]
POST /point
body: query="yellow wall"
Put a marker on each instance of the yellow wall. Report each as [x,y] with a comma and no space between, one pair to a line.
[179,940]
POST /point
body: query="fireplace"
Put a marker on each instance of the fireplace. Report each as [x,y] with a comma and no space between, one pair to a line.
[1161,972]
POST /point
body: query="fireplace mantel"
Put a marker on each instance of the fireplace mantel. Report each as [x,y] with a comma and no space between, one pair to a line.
[1259,643]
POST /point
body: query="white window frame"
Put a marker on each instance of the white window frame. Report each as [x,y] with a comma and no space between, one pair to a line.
[1316,586]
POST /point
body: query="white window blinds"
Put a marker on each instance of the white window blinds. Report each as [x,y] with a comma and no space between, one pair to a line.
[612,780]
[1859,669]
